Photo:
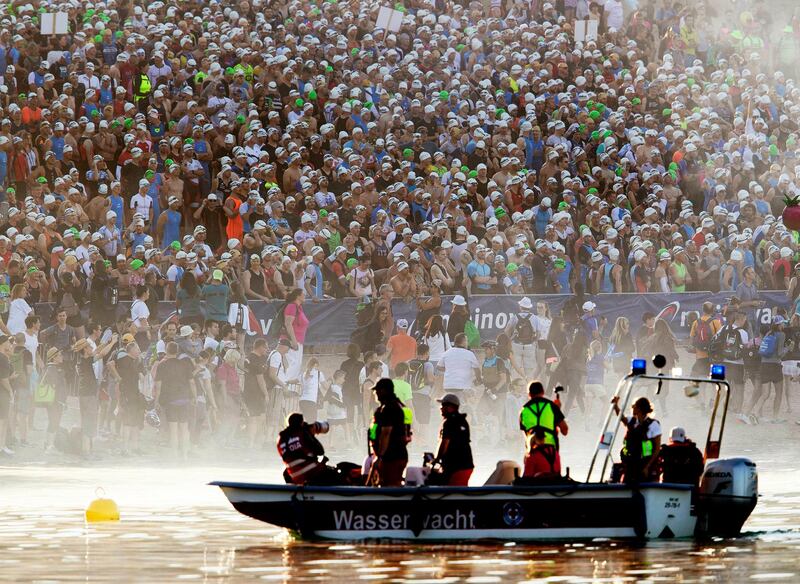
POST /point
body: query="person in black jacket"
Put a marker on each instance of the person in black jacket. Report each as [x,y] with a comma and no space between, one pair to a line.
[454,453]
[103,296]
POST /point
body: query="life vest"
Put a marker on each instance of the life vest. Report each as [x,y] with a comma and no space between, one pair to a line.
[539,415]
[545,452]
[144,88]
[637,434]
[298,455]
[408,419]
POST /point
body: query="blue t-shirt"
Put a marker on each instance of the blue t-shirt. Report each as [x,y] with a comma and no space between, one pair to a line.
[483,270]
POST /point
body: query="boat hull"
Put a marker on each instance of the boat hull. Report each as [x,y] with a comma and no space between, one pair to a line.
[539,513]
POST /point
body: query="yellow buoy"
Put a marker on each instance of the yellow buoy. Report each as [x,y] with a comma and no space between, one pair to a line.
[102,509]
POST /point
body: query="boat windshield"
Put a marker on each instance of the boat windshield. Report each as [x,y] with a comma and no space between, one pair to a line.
[602,459]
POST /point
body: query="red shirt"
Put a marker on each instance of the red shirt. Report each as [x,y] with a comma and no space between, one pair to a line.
[699,238]
[780,269]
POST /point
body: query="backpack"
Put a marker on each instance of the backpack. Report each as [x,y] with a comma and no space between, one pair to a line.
[365,311]
[524,333]
[727,345]
[473,335]
[278,323]
[416,374]
[490,372]
[704,334]
[768,346]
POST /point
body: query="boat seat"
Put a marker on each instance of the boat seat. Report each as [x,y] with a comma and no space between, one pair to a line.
[505,473]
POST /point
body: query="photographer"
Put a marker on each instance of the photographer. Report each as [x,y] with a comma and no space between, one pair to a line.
[301,451]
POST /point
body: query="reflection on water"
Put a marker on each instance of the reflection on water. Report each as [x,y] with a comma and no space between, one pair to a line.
[174,528]
[204,543]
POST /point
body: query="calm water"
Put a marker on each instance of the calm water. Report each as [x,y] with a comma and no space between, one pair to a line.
[174,527]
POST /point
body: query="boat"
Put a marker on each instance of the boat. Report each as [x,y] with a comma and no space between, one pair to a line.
[511,511]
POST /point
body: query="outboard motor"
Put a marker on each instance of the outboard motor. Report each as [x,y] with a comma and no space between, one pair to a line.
[728,494]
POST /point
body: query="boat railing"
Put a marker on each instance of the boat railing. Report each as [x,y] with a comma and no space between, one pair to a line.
[602,459]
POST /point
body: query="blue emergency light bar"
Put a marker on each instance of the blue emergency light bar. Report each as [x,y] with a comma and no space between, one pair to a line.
[638,366]
[718,372]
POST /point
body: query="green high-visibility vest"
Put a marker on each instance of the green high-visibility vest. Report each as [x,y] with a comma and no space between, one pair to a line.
[144,88]
[539,415]
[647,448]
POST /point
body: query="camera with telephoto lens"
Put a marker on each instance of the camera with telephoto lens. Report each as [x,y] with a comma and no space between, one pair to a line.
[318,427]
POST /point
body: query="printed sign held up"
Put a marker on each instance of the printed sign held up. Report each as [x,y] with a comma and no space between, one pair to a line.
[54,23]
[389,19]
[585,30]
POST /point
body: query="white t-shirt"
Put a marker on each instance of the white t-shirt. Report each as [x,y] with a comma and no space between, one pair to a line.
[139,313]
[276,361]
[362,376]
[653,430]
[174,273]
[541,324]
[32,344]
[312,381]
[335,411]
[17,313]
[438,344]
[141,204]
[458,365]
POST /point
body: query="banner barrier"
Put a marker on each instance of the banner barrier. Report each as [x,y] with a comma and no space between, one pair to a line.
[332,321]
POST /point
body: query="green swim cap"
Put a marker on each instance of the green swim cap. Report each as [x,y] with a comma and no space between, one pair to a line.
[136,264]
[299,102]
[512,267]
[176,245]
[560,263]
